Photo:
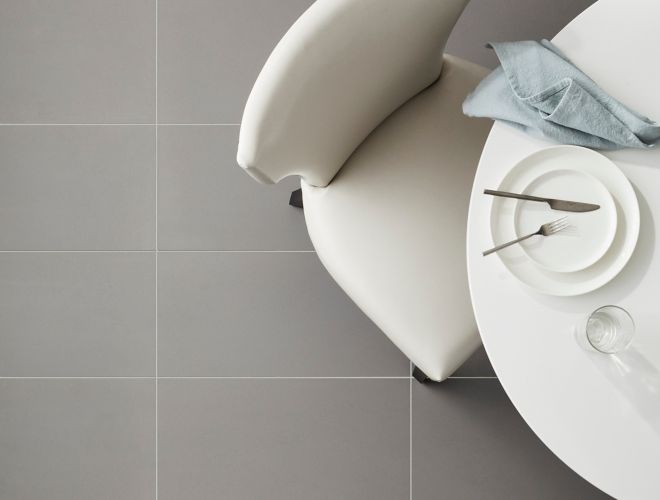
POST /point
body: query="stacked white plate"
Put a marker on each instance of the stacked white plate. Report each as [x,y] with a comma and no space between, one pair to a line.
[595,246]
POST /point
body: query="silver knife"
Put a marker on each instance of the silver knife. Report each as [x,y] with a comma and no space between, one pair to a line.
[565,205]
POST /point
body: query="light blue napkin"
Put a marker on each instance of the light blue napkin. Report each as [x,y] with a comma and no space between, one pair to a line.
[539,90]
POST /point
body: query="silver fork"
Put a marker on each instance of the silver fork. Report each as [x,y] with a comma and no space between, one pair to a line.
[546,229]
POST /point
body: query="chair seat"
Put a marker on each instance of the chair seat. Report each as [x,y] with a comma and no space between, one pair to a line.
[391,226]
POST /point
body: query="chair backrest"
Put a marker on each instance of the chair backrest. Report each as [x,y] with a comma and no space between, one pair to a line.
[340,70]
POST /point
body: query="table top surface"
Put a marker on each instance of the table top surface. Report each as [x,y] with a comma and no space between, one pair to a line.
[599,413]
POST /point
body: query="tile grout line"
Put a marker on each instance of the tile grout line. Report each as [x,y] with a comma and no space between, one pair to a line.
[76,251]
[199,124]
[120,124]
[156,237]
[139,377]
[238,251]
[283,378]
[410,429]
[159,251]
[232,377]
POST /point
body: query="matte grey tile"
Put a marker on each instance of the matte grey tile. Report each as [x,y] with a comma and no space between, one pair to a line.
[283,439]
[77,188]
[486,21]
[263,314]
[77,314]
[77,439]
[77,61]
[468,441]
[210,53]
[206,201]
[478,365]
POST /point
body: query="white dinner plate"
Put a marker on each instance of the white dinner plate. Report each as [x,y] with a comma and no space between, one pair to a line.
[580,159]
[589,235]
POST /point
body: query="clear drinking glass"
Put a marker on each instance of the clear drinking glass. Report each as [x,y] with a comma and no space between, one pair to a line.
[609,329]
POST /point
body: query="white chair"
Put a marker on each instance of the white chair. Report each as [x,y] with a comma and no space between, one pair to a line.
[350,100]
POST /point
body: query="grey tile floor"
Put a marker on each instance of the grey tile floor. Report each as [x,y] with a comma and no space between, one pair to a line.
[166,330]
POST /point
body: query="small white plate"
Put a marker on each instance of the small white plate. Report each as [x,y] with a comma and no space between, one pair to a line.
[589,235]
[627,227]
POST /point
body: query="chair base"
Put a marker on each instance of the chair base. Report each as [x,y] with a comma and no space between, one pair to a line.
[296,199]
[419,375]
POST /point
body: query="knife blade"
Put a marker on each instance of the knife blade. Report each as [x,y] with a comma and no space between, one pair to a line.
[563,205]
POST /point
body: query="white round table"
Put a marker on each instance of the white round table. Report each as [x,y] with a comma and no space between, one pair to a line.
[598,413]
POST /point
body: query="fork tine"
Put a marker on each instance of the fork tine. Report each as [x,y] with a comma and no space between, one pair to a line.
[555,226]
[559,221]
[559,227]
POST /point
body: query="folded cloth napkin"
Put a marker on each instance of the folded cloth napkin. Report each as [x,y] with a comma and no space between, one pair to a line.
[538,89]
